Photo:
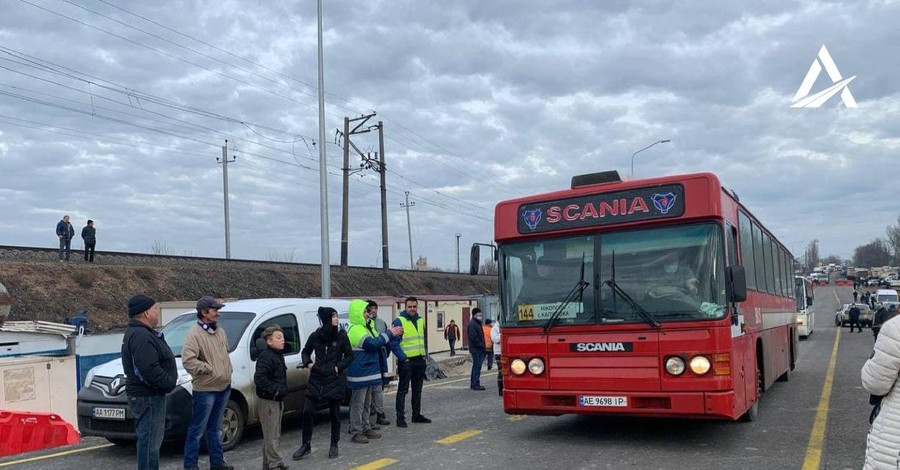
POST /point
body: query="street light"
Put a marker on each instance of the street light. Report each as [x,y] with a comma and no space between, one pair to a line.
[645,148]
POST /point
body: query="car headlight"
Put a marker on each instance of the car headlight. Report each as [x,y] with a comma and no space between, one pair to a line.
[700,365]
[89,377]
[536,366]
[183,378]
[517,366]
[799,319]
[675,365]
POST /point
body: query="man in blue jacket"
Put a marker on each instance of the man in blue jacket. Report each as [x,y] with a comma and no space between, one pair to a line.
[364,372]
[65,231]
[476,348]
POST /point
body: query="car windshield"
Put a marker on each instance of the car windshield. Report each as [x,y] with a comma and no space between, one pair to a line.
[234,324]
[672,273]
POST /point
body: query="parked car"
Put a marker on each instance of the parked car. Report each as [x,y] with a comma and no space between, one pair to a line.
[102,407]
[842,316]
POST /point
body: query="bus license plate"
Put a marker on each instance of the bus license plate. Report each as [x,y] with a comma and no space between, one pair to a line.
[585,400]
[109,413]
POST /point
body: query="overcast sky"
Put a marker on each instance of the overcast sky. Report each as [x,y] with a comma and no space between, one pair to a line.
[117,110]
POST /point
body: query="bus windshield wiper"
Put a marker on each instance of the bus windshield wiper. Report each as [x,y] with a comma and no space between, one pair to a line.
[647,316]
[576,291]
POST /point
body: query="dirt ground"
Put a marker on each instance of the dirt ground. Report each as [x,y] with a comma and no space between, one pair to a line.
[52,291]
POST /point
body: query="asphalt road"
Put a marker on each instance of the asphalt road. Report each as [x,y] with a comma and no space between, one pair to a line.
[470,430]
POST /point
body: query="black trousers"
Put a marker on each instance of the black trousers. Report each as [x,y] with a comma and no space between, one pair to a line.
[309,409]
[89,248]
[413,371]
[855,322]
[452,348]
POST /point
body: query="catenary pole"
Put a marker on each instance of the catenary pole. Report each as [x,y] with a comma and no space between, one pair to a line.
[323,174]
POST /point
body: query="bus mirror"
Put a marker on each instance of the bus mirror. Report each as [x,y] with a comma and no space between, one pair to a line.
[736,284]
[474,259]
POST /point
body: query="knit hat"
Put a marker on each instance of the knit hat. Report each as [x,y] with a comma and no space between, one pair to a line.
[325,314]
[139,303]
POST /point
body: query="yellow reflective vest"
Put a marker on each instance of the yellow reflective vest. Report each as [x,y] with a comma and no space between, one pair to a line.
[413,341]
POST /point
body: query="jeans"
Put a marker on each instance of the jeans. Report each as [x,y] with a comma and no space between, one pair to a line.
[412,371]
[65,246]
[89,251]
[489,356]
[452,348]
[149,425]
[206,415]
[309,409]
[477,360]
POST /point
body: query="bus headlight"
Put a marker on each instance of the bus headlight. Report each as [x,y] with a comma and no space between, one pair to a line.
[517,366]
[675,365]
[700,365]
[536,366]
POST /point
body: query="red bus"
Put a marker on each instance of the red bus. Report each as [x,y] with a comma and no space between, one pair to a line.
[658,297]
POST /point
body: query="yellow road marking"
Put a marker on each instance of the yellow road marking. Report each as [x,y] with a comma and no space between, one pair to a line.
[57,454]
[380,463]
[516,418]
[453,439]
[817,435]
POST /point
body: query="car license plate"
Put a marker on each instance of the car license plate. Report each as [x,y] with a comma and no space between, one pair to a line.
[109,413]
[585,400]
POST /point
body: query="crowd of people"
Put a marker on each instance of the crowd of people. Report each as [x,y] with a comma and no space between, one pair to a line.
[66,232]
[355,359]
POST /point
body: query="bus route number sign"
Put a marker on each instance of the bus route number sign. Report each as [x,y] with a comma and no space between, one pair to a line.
[532,312]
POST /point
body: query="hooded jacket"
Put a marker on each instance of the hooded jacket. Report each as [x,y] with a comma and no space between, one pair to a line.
[332,350]
[879,377]
[270,376]
[367,344]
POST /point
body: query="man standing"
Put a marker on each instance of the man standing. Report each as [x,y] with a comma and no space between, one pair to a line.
[205,357]
[476,348]
[364,373]
[854,317]
[410,350]
[150,374]
[488,344]
[65,232]
[451,334]
[377,326]
[89,235]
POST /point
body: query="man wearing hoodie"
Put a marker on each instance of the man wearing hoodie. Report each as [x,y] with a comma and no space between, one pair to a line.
[410,350]
[364,372]
[333,356]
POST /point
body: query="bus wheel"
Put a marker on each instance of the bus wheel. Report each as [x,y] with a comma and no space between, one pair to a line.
[752,413]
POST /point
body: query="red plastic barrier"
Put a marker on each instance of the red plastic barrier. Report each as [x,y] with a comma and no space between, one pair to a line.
[22,431]
[844,282]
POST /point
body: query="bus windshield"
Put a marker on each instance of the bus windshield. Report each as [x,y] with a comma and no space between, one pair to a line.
[671,273]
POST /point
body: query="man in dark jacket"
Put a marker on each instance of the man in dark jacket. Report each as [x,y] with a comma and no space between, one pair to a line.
[271,387]
[854,318]
[333,356]
[89,235]
[150,374]
[451,334]
[881,316]
[65,232]
[476,348]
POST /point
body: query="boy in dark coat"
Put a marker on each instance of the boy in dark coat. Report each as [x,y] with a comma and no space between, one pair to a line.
[271,387]
[333,356]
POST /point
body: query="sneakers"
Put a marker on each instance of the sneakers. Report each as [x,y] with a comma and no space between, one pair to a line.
[302,451]
[333,451]
[371,434]
[477,387]
[359,438]
[382,420]
[401,423]
[424,420]
[375,427]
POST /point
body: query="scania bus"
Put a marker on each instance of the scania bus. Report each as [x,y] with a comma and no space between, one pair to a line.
[658,297]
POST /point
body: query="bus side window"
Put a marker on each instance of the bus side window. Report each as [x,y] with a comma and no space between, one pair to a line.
[731,241]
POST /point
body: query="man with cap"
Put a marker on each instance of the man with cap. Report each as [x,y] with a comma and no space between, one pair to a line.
[150,373]
[205,357]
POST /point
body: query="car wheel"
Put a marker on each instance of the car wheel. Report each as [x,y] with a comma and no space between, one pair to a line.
[232,429]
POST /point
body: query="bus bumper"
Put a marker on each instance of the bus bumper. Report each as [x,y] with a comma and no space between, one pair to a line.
[703,405]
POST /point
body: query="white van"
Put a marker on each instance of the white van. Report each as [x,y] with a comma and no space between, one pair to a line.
[887,297]
[102,404]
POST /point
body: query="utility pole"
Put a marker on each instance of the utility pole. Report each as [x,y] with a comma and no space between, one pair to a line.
[345,205]
[323,167]
[457,251]
[384,226]
[224,161]
[409,228]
